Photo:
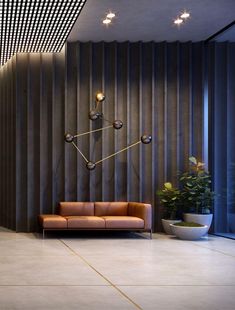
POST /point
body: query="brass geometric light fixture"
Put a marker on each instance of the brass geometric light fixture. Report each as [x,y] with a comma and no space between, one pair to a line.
[35,25]
[94,115]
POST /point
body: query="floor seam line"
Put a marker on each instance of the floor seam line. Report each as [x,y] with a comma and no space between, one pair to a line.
[100,274]
[54,285]
[176,285]
[214,250]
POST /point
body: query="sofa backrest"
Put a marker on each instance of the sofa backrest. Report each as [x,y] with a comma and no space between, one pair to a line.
[111,208]
[76,208]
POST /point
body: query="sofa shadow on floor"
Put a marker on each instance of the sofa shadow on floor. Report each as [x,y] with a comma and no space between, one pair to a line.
[93,235]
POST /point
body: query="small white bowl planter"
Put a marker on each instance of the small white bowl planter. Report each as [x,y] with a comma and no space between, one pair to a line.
[166,225]
[203,219]
[189,233]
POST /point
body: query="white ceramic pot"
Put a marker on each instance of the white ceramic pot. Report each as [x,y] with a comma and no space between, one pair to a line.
[166,225]
[203,219]
[189,233]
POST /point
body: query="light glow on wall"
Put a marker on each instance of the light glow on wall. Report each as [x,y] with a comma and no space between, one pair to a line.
[35,25]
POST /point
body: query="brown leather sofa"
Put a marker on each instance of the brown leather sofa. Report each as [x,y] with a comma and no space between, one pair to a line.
[132,216]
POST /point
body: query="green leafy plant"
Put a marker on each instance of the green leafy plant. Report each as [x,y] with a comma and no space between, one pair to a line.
[193,195]
[195,188]
[169,199]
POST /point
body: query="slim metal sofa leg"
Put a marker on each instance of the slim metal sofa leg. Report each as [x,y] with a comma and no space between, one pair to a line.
[151,234]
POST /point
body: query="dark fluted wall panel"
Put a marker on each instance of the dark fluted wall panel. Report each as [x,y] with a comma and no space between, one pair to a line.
[7,145]
[154,88]
[83,87]
[40,126]
[121,96]
[58,129]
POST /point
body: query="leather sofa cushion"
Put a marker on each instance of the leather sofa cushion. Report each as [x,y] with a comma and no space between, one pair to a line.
[85,222]
[52,221]
[76,208]
[111,208]
[123,222]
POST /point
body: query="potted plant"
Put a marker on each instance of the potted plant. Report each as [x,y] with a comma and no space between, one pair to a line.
[196,194]
[169,199]
[189,230]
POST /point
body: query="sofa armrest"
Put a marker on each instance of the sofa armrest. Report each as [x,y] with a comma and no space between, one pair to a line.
[52,221]
[143,211]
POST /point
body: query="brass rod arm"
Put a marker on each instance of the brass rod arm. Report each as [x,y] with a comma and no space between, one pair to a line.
[88,132]
[84,157]
[118,152]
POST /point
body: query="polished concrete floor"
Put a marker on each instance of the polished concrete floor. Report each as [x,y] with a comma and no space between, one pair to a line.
[115,271]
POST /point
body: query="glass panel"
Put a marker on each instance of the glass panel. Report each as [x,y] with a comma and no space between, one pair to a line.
[223,140]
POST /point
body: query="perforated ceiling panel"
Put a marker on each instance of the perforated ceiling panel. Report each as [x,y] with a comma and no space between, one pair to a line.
[35,25]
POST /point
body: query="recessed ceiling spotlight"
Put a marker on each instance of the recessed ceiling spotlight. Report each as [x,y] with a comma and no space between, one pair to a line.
[110,15]
[185,15]
[106,21]
[178,21]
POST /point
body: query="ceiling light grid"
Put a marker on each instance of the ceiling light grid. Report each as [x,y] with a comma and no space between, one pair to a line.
[60,23]
[67,29]
[35,25]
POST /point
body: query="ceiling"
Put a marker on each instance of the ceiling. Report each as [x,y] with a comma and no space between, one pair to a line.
[152,20]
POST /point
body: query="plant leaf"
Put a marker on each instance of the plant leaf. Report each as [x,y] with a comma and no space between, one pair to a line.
[200,164]
[168,185]
[193,160]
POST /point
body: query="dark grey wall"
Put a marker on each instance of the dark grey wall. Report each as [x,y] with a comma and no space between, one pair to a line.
[154,88]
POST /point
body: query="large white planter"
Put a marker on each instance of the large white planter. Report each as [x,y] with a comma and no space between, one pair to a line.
[166,225]
[189,233]
[203,219]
